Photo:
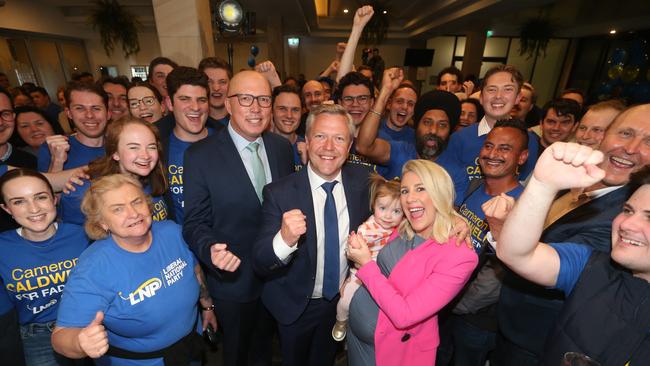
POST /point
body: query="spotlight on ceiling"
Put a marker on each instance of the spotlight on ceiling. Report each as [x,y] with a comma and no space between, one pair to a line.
[385,12]
[345,11]
[613,31]
[230,14]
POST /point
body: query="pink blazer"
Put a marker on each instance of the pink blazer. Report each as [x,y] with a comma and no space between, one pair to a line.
[421,283]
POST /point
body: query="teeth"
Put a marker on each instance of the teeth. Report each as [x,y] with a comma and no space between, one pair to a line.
[622,161]
[416,209]
[327,157]
[632,242]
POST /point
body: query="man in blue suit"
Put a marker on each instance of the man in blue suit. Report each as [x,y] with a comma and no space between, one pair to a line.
[224,177]
[307,218]
[527,312]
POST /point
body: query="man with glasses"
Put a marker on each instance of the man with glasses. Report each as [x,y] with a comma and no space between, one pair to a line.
[224,176]
[9,155]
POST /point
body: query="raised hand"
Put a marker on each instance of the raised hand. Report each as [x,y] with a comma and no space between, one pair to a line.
[267,69]
[460,230]
[294,224]
[392,79]
[362,16]
[59,147]
[224,259]
[468,87]
[496,210]
[568,165]
[76,179]
[93,339]
[358,250]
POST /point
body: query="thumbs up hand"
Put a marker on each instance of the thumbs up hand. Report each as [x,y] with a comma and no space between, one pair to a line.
[93,339]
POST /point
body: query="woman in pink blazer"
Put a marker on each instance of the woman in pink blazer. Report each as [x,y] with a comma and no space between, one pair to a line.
[414,277]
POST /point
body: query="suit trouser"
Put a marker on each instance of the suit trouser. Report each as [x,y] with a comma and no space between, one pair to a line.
[247,332]
[308,340]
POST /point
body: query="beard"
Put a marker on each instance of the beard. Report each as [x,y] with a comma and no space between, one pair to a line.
[429,152]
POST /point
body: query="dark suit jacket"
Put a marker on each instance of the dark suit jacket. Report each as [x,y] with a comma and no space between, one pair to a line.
[288,287]
[528,312]
[221,206]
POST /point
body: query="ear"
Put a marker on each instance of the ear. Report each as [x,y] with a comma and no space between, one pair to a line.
[168,103]
[115,156]
[6,209]
[227,104]
[518,98]
[68,114]
[523,156]
[103,226]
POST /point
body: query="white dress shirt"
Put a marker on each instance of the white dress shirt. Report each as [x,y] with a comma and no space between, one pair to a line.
[246,155]
[483,127]
[283,250]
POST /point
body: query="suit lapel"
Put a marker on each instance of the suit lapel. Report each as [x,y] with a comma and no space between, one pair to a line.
[594,206]
[306,204]
[233,165]
[272,156]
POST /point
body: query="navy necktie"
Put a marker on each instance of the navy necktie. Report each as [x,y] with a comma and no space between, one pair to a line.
[332,254]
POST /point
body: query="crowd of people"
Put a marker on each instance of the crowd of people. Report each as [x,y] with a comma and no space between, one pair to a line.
[459,226]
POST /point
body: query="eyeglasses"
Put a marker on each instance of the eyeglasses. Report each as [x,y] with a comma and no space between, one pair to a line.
[361,99]
[148,101]
[7,114]
[246,100]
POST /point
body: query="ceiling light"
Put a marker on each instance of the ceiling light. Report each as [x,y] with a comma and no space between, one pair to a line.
[489,33]
[385,12]
[613,31]
[345,11]
[293,41]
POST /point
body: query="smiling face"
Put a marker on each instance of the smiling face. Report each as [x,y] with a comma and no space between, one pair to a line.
[117,100]
[249,122]
[631,234]
[449,82]
[328,144]
[557,128]
[351,101]
[125,213]
[190,108]
[286,113]
[626,146]
[502,151]
[313,94]
[593,125]
[31,203]
[88,112]
[388,212]
[468,115]
[143,104]
[401,106]
[137,151]
[417,205]
[159,78]
[499,95]
[6,126]
[33,128]
[218,80]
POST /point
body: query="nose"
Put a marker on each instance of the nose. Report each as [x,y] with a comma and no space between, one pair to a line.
[32,207]
[631,223]
[632,146]
[329,143]
[88,113]
[141,105]
[194,105]
[256,105]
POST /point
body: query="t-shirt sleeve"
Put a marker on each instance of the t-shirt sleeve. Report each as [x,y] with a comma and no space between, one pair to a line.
[573,258]
[85,293]
[3,169]
[43,158]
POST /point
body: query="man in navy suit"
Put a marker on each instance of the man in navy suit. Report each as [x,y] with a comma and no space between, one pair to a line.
[527,312]
[224,177]
[307,218]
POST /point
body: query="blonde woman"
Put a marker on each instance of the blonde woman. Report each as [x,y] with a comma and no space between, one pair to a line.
[393,317]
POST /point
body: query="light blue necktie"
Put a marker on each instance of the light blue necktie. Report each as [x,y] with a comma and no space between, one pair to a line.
[259,177]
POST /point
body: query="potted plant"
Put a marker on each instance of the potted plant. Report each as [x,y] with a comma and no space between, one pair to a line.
[116,25]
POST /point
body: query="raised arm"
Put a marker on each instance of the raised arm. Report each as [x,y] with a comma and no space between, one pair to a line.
[267,69]
[561,166]
[367,143]
[361,18]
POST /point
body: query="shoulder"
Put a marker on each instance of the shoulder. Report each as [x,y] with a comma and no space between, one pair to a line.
[208,143]
[291,181]
[458,251]
[465,134]
[71,229]
[275,139]
[165,227]
[9,237]
[355,175]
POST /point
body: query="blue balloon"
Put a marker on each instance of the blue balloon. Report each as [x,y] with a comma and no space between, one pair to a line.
[251,61]
[254,50]
[618,56]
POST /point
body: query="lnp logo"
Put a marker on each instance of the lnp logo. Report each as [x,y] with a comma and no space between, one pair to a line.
[146,290]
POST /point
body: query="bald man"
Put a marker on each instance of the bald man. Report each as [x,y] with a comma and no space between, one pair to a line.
[224,177]
[313,94]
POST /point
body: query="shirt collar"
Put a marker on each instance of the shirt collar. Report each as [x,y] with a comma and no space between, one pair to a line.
[315,181]
[483,127]
[240,142]
[7,154]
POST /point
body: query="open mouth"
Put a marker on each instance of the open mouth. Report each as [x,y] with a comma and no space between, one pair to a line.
[416,212]
[37,218]
[621,163]
[139,222]
[632,242]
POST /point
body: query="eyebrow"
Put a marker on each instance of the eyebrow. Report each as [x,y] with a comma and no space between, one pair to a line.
[22,197]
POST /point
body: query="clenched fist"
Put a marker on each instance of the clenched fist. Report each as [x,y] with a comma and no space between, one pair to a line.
[224,259]
[294,224]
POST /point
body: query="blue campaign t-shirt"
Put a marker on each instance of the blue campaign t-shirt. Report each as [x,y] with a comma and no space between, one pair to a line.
[406,134]
[400,153]
[460,158]
[297,161]
[358,159]
[573,259]
[3,169]
[177,149]
[148,299]
[34,273]
[70,205]
[78,155]
[471,210]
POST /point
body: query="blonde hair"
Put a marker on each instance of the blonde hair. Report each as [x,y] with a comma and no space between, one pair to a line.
[92,203]
[440,188]
[380,187]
